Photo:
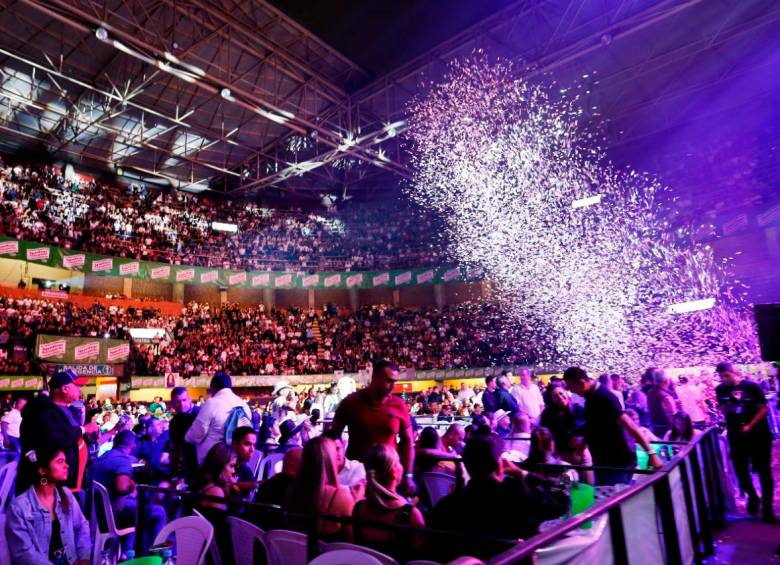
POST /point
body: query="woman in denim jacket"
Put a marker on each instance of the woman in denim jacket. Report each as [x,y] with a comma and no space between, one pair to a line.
[45,523]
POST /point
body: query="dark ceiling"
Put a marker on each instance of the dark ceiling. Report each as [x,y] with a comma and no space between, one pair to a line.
[381,35]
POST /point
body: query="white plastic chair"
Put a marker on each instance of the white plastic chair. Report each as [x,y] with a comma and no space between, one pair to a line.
[284,547]
[269,466]
[7,477]
[193,535]
[100,499]
[343,546]
[214,554]
[437,485]
[345,557]
[245,537]
[423,562]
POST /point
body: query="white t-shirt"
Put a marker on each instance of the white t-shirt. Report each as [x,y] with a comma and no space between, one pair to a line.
[529,400]
[14,420]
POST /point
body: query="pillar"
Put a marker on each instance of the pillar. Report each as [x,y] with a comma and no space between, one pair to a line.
[223,297]
[127,287]
[269,296]
[438,295]
[178,292]
[354,299]
[396,297]
[773,241]
[310,295]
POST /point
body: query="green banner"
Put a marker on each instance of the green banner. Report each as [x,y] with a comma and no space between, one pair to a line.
[43,254]
[81,350]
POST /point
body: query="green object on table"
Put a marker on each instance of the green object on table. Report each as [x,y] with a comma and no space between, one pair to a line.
[149,560]
[583,496]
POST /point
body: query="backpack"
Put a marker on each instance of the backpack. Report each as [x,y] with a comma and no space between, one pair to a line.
[236,419]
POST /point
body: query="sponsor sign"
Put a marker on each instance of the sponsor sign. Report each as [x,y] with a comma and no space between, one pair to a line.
[160,272]
[311,280]
[284,280]
[89,370]
[102,265]
[404,278]
[118,352]
[238,278]
[130,268]
[38,254]
[9,248]
[209,276]
[86,351]
[52,349]
[185,275]
[425,276]
[59,294]
[451,275]
[354,280]
[332,280]
[73,261]
[258,280]
[384,278]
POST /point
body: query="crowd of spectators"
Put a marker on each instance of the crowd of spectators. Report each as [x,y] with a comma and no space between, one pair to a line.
[258,341]
[38,203]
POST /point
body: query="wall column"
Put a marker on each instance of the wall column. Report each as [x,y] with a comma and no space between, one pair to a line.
[127,287]
[438,295]
[310,294]
[178,292]
[223,297]
[269,296]
[396,297]
[354,299]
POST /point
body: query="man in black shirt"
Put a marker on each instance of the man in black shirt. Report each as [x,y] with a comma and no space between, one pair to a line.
[184,462]
[605,429]
[744,406]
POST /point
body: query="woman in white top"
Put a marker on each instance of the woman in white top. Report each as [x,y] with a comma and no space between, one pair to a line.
[682,428]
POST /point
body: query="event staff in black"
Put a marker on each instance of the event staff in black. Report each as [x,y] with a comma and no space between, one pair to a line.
[605,429]
[750,440]
[48,421]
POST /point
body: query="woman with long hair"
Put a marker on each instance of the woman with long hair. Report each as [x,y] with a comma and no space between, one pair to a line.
[383,504]
[44,522]
[682,428]
[217,474]
[316,488]
[542,452]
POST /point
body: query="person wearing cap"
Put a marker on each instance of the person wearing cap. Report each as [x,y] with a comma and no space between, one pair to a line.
[291,435]
[48,421]
[744,406]
[208,428]
[281,403]
[374,415]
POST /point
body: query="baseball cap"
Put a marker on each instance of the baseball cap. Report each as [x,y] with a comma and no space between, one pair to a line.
[62,378]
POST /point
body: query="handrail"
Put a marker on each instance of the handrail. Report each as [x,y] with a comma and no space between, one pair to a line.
[527,548]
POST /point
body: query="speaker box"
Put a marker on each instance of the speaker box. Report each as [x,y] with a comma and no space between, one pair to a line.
[768,321]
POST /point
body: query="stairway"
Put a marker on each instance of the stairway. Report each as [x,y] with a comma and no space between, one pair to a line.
[315,329]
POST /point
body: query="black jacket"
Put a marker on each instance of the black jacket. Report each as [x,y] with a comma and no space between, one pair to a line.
[46,424]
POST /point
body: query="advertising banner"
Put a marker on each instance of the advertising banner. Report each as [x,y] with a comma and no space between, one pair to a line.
[60,349]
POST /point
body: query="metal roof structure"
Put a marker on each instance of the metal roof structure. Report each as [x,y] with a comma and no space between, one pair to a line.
[237,96]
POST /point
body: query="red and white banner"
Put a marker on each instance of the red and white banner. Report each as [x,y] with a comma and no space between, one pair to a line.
[258,280]
[185,275]
[404,278]
[86,351]
[425,277]
[771,215]
[451,275]
[735,224]
[209,276]
[118,352]
[101,265]
[52,349]
[130,268]
[332,280]
[38,254]
[59,294]
[381,279]
[9,248]
[283,280]
[311,280]
[73,261]
[354,280]
[160,273]
[238,278]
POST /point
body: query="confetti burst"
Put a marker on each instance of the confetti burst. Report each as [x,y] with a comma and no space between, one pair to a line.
[579,252]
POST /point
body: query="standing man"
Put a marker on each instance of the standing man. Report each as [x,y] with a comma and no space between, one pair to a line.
[528,396]
[11,424]
[605,424]
[49,421]
[184,460]
[744,406]
[374,415]
[504,400]
[209,425]
[660,404]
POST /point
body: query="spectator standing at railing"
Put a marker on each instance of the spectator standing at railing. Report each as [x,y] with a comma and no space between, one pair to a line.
[11,424]
[528,396]
[605,429]
[660,403]
[184,460]
[744,406]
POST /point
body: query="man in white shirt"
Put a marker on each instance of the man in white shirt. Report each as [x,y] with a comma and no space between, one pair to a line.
[10,425]
[208,428]
[528,396]
[466,393]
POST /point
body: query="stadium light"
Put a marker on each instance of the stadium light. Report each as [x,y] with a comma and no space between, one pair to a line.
[588,201]
[692,306]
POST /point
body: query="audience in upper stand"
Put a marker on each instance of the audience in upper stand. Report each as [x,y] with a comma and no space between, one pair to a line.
[37,203]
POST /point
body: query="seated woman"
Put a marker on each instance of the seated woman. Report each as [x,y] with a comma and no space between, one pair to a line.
[383,504]
[429,453]
[565,424]
[216,477]
[682,428]
[44,522]
[649,436]
[316,489]
[542,452]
